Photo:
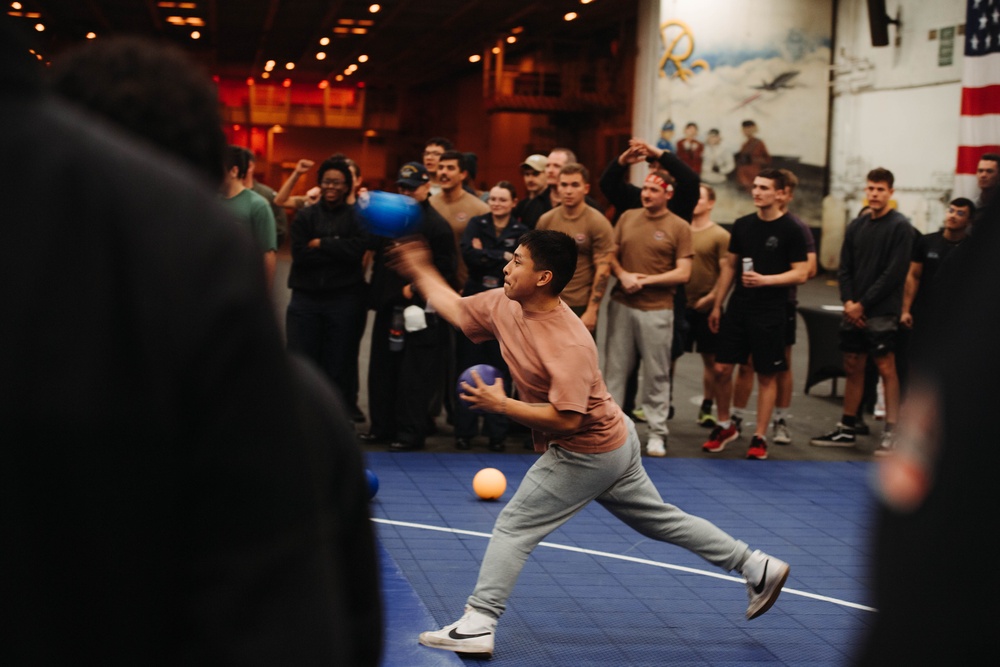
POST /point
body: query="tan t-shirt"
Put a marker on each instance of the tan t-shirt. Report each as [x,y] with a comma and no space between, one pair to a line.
[458,213]
[594,238]
[552,359]
[711,245]
[650,244]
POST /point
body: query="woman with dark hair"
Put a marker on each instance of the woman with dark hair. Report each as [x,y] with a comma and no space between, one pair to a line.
[487,245]
[327,278]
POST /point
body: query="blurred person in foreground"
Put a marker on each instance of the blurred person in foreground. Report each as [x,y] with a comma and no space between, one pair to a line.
[176,489]
[937,602]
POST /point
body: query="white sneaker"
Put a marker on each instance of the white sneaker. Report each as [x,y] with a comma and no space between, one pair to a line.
[887,444]
[655,446]
[765,576]
[471,634]
[782,436]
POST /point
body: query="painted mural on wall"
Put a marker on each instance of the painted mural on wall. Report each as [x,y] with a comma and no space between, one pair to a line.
[742,86]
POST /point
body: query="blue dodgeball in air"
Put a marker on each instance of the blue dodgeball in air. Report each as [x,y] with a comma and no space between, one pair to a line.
[389,214]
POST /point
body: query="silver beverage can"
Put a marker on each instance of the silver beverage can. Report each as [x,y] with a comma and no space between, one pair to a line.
[747,264]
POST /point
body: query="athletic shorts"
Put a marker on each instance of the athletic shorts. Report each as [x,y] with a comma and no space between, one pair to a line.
[877,338]
[791,323]
[760,334]
[700,338]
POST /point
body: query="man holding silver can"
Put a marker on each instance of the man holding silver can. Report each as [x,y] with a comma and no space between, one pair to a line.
[767,255]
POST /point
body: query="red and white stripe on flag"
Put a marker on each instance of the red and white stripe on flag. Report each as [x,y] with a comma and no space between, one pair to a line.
[979,125]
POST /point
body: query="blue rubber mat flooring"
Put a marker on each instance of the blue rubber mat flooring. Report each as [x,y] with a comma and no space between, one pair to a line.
[597,593]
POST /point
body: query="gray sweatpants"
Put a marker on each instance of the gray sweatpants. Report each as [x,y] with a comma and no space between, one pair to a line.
[559,485]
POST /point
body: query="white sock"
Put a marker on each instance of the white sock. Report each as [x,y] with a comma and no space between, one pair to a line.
[779,414]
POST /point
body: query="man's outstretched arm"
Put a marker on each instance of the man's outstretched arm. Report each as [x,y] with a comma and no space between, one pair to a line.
[412,260]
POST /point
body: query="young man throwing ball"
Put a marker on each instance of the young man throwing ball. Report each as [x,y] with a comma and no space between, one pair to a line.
[590,450]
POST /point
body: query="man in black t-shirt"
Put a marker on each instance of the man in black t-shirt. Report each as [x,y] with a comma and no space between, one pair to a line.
[767,253]
[929,253]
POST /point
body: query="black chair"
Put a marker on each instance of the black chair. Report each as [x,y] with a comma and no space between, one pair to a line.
[826,361]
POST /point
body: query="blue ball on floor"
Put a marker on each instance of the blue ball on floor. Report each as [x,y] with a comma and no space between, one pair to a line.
[372,483]
[389,214]
[488,373]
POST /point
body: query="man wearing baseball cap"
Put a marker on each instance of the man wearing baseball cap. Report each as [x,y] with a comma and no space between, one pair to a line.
[403,384]
[528,210]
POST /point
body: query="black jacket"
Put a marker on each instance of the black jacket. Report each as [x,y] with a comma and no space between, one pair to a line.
[336,264]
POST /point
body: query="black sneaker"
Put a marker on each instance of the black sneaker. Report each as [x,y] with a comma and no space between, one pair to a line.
[841,436]
[861,428]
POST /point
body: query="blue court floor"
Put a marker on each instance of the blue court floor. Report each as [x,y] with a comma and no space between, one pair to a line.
[598,593]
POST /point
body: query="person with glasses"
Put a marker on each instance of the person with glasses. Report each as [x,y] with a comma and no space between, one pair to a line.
[434,148]
[327,277]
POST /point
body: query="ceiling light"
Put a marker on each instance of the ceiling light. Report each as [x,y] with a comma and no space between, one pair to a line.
[324,41]
[496,49]
[91,35]
[166,5]
[339,77]
[511,39]
[265,75]
[362,58]
[475,58]
[289,65]
[374,9]
[320,56]
[269,65]
[187,5]
[345,21]
[40,27]
[175,20]
[194,20]
[287,83]
[518,30]
[15,5]
[367,22]
[249,83]
[340,31]
[359,31]
[324,84]
[569,16]
[586,2]
[352,68]
[195,34]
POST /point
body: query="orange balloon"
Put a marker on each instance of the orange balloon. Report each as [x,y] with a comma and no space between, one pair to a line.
[489,483]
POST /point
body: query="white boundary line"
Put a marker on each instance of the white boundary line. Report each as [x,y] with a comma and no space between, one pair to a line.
[631,559]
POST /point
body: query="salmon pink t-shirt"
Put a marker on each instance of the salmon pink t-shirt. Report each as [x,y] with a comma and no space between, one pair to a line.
[552,359]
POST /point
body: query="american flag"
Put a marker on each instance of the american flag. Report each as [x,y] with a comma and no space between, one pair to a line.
[979,125]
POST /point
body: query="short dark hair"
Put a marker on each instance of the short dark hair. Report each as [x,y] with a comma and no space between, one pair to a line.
[350,163]
[775,175]
[239,157]
[692,124]
[471,164]
[881,175]
[451,154]
[507,185]
[155,91]
[965,203]
[575,168]
[340,165]
[710,190]
[439,141]
[992,157]
[748,123]
[791,180]
[552,251]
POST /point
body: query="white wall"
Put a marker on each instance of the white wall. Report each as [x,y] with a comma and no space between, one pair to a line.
[894,107]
